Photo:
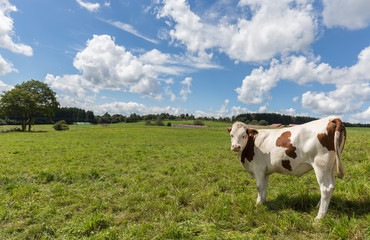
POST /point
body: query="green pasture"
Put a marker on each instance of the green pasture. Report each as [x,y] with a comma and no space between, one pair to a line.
[131,181]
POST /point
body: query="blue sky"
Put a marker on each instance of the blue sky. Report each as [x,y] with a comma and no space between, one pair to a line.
[208,58]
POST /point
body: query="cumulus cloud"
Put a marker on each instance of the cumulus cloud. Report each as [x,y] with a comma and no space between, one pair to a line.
[323,103]
[223,111]
[168,91]
[127,108]
[255,87]
[289,111]
[105,65]
[236,110]
[186,88]
[353,14]
[6,30]
[5,87]
[274,27]
[363,117]
[262,109]
[91,7]
[352,83]
[75,85]
[6,34]
[5,66]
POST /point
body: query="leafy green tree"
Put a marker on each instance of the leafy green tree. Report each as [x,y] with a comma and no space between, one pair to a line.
[27,100]
[263,123]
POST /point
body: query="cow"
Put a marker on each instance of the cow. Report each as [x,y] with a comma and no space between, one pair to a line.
[294,151]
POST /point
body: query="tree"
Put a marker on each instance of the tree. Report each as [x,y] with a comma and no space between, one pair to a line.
[27,100]
[263,123]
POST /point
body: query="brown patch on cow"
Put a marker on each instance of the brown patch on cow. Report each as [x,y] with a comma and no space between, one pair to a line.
[284,141]
[342,130]
[327,139]
[286,165]
[248,151]
[229,129]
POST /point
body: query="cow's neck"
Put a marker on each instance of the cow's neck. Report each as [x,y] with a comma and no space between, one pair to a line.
[248,151]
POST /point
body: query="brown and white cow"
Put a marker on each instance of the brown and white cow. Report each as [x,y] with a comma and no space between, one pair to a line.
[294,151]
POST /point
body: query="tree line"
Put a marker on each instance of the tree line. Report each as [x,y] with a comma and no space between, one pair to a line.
[34,102]
[272,118]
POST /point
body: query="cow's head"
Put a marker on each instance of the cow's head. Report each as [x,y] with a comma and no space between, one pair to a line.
[239,136]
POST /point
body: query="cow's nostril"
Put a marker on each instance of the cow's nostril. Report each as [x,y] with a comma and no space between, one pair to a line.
[235,147]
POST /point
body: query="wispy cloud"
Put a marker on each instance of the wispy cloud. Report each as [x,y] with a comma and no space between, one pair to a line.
[128,28]
[91,7]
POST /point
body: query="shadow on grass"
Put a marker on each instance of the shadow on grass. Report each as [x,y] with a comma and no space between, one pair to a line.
[308,202]
[11,130]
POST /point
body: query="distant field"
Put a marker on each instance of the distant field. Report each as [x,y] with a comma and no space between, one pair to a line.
[130,181]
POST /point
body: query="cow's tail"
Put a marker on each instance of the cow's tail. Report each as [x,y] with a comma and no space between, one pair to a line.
[339,139]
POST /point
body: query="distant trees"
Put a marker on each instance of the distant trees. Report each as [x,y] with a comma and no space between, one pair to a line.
[71,115]
[271,118]
[33,100]
[27,100]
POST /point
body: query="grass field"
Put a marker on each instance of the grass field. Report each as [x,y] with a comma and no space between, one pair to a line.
[130,181]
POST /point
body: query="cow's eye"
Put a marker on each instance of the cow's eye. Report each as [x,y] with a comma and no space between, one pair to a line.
[231,135]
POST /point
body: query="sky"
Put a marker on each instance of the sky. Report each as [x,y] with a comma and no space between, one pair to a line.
[215,58]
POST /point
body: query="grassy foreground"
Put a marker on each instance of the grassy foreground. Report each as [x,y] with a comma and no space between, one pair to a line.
[129,181]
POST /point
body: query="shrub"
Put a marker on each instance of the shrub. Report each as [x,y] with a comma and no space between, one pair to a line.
[198,122]
[61,125]
[263,123]
[159,122]
[169,124]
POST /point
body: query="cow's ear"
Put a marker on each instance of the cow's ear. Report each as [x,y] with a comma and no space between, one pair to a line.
[229,129]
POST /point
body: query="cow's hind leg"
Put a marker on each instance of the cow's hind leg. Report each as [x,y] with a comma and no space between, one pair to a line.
[262,182]
[324,169]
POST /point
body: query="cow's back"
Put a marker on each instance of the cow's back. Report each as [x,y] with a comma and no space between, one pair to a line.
[293,150]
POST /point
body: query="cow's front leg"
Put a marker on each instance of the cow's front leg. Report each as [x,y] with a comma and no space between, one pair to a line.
[262,182]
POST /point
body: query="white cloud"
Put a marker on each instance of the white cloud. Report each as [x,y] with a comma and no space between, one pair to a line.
[6,30]
[186,88]
[91,7]
[274,27]
[238,110]
[262,109]
[5,87]
[5,66]
[105,65]
[352,83]
[255,87]
[168,91]
[75,85]
[363,117]
[223,111]
[127,108]
[321,103]
[289,111]
[155,57]
[354,14]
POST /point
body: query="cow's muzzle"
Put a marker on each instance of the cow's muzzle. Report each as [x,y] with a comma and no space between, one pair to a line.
[236,148]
